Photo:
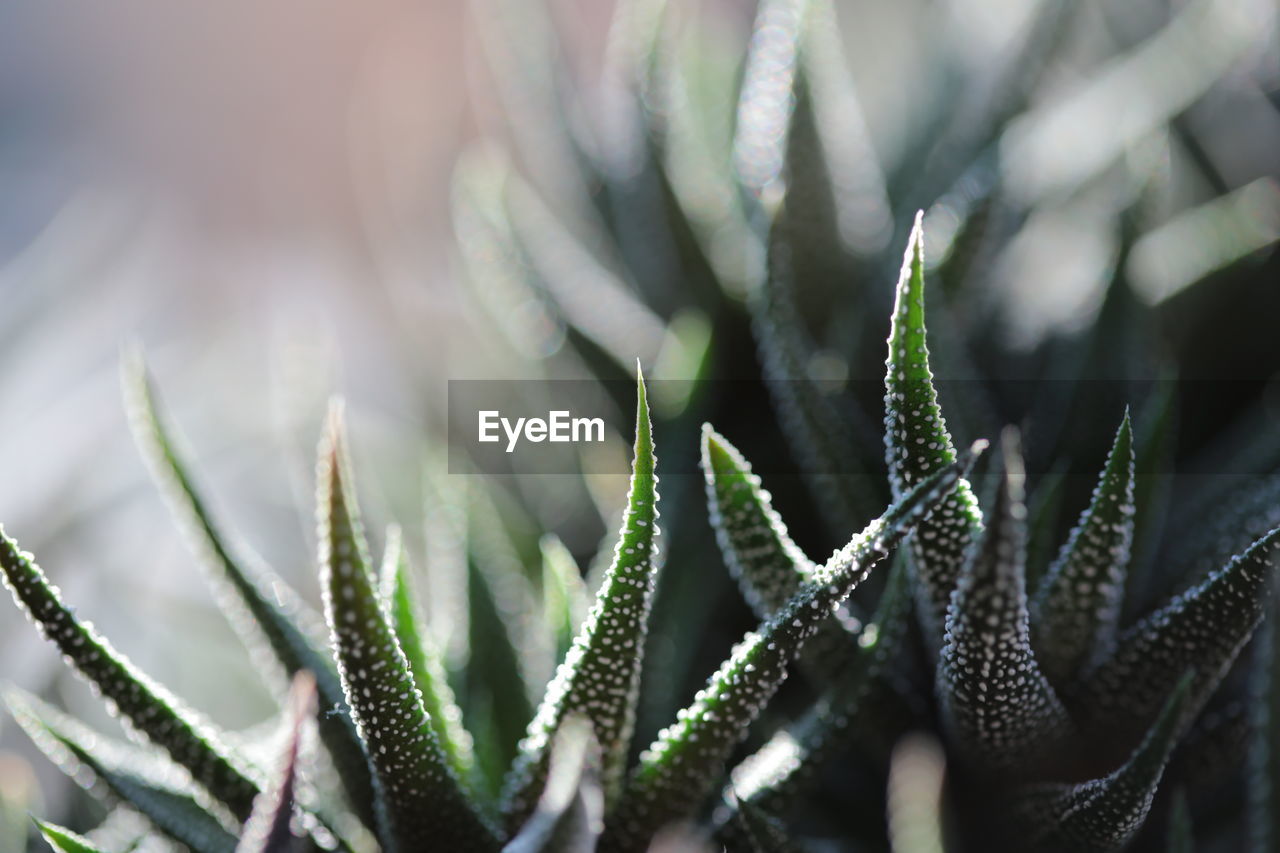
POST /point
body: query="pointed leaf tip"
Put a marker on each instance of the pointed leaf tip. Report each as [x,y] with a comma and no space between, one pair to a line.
[917,443]
[996,702]
[1077,606]
[600,676]
[421,795]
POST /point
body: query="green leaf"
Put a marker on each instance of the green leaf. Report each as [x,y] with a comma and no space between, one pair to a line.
[259,605]
[148,708]
[1104,814]
[565,600]
[996,702]
[421,798]
[1077,606]
[678,770]
[768,566]
[64,840]
[138,777]
[917,443]
[570,811]
[1203,628]
[268,828]
[600,677]
[844,713]
[425,662]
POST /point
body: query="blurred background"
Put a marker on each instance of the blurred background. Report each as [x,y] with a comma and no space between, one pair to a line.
[265,196]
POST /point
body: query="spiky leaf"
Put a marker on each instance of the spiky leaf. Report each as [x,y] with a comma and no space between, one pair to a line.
[600,676]
[1203,628]
[127,773]
[768,566]
[678,770]
[1077,605]
[996,702]
[145,705]
[425,662]
[844,713]
[64,840]
[259,605]
[422,798]
[917,443]
[1104,814]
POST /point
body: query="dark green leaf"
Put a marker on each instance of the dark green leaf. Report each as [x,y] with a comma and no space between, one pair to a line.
[1203,628]
[768,566]
[683,764]
[1104,814]
[917,443]
[996,702]
[424,659]
[846,711]
[1077,606]
[421,798]
[146,706]
[600,677]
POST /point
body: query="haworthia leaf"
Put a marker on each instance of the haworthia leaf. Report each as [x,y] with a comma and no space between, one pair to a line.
[768,566]
[1077,606]
[268,828]
[681,766]
[565,600]
[570,812]
[1104,814]
[996,702]
[917,443]
[64,840]
[600,676]
[128,773]
[276,617]
[419,794]
[425,663]
[844,713]
[145,705]
[1203,628]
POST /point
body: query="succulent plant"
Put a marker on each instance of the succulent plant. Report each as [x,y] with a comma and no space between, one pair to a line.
[1009,680]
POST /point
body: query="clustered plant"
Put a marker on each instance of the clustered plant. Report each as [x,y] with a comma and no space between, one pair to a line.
[1087,686]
